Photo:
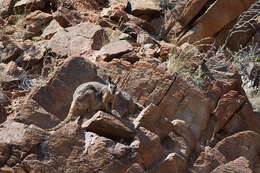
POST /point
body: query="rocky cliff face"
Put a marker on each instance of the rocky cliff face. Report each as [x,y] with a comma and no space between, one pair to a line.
[182,107]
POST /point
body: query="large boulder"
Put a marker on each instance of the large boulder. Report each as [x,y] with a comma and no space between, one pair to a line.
[207,25]
[239,149]
[145,7]
[241,165]
[78,39]
[115,50]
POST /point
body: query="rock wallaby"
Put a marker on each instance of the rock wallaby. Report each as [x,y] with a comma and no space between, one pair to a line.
[90,97]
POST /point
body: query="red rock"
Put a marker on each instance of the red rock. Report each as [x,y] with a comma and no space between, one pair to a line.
[66,17]
[175,143]
[77,40]
[22,138]
[241,165]
[115,50]
[245,143]
[110,126]
[182,129]
[171,26]
[10,52]
[181,101]
[209,23]
[145,140]
[152,119]
[65,145]
[135,168]
[36,21]
[51,29]
[125,105]
[173,163]
[227,106]
[191,9]
[208,160]
[245,29]
[141,7]
[31,5]
[116,13]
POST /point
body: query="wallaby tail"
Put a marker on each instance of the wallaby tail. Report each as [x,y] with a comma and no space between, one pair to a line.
[67,119]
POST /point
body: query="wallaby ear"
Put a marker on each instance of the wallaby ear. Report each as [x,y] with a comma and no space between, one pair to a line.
[109,79]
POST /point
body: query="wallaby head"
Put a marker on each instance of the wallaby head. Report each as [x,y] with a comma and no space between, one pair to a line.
[112,86]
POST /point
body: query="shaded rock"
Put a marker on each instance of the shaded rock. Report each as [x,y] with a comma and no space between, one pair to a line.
[62,149]
[1,21]
[115,13]
[115,49]
[135,168]
[223,76]
[254,73]
[240,144]
[180,103]
[152,119]
[30,112]
[241,165]
[51,29]
[20,140]
[227,106]
[175,143]
[192,9]
[131,57]
[110,126]
[208,160]
[223,34]
[144,38]
[77,39]
[12,69]
[209,24]
[171,27]
[145,140]
[36,21]
[245,28]
[243,120]
[172,163]
[66,17]
[3,115]
[10,52]
[124,105]
[181,128]
[145,25]
[9,82]
[4,100]
[6,7]
[33,55]
[25,5]
[141,7]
